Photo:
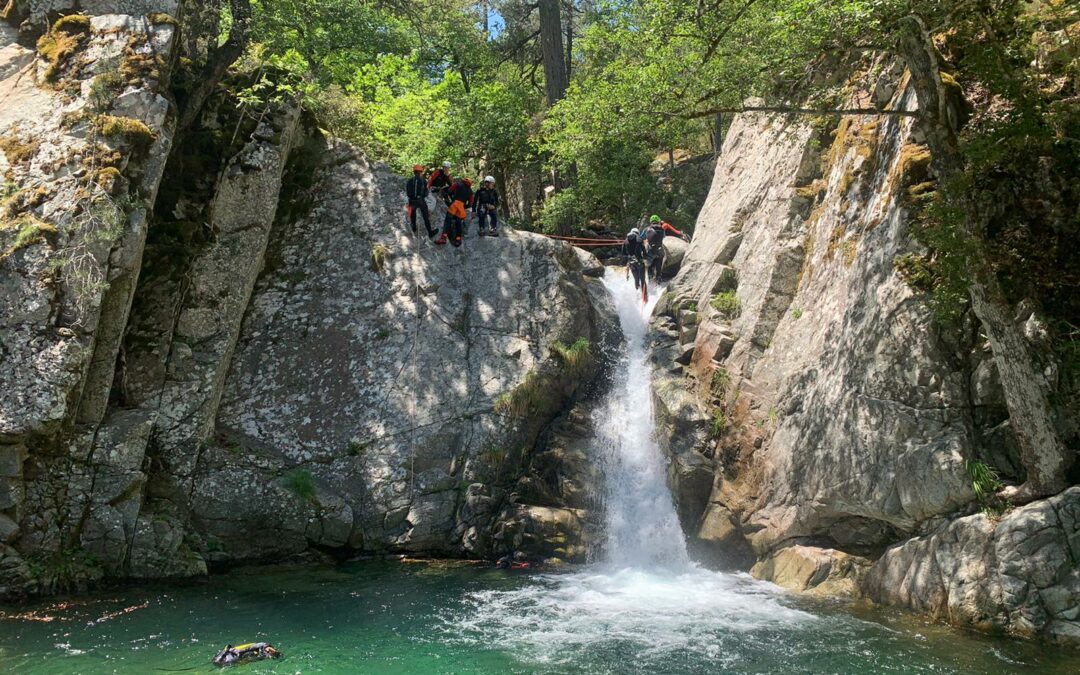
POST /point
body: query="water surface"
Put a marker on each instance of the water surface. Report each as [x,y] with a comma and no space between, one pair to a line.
[389,617]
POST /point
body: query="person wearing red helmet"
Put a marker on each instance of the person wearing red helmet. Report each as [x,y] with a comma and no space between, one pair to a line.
[416,191]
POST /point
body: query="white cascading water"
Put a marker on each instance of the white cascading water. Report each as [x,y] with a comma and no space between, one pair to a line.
[643,530]
[646,597]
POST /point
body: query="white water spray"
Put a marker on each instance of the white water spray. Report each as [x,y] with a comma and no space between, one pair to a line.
[642,526]
[646,598]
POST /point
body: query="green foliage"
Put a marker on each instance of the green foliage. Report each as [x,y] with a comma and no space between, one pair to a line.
[796,313]
[985,482]
[984,479]
[379,253]
[301,483]
[29,230]
[719,382]
[576,358]
[727,303]
[719,423]
[356,448]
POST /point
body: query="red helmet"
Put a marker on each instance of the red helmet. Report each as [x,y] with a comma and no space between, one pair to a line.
[468,183]
[418,168]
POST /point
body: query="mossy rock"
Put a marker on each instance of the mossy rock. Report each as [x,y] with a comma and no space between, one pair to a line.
[62,41]
[131,130]
[18,151]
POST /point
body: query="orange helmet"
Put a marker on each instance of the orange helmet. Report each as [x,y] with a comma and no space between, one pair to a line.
[418,168]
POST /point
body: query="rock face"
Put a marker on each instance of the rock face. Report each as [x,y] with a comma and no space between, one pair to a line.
[812,406]
[226,348]
[1019,575]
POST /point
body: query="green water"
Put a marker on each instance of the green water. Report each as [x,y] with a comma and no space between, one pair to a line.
[389,617]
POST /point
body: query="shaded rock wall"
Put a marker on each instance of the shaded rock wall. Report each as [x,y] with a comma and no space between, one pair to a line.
[184,363]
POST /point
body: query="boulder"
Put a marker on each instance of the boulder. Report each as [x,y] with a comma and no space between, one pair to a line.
[1017,575]
[824,572]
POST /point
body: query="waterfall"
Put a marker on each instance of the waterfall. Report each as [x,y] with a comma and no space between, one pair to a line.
[642,527]
[646,600]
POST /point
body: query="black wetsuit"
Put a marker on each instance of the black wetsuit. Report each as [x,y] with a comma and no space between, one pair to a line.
[416,189]
[634,250]
[485,198]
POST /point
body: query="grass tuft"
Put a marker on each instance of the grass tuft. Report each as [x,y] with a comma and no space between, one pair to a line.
[525,398]
[576,358]
[727,303]
[301,483]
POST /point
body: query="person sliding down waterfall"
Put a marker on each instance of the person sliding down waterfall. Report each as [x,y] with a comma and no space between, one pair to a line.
[634,251]
[654,244]
[486,206]
[440,181]
[416,191]
[461,198]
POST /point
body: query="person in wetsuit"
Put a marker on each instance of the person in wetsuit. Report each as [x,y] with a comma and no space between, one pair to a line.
[254,651]
[486,206]
[653,238]
[440,182]
[634,249]
[416,191]
[461,198]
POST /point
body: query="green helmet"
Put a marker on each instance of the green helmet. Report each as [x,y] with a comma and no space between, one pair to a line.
[654,218]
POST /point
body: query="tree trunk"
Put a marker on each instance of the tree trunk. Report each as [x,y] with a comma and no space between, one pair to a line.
[555,79]
[569,39]
[1027,393]
[218,63]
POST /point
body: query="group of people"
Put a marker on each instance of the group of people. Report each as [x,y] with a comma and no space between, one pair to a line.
[458,195]
[644,251]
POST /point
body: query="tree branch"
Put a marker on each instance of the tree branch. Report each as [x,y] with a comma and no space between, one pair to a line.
[787,110]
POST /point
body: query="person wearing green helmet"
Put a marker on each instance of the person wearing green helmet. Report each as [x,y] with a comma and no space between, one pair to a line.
[653,238]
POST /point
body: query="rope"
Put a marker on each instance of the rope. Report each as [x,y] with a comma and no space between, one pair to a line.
[610,242]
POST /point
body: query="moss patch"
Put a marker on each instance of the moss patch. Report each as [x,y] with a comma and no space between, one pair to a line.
[62,42]
[131,130]
[18,151]
[161,18]
[527,398]
[21,201]
[29,230]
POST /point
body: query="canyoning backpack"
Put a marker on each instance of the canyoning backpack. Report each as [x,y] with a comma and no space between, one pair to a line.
[632,247]
[416,189]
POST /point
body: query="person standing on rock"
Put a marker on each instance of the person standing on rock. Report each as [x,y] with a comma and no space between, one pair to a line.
[654,244]
[440,182]
[634,251]
[461,198]
[416,191]
[486,206]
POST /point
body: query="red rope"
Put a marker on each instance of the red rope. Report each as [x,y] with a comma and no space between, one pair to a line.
[609,242]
